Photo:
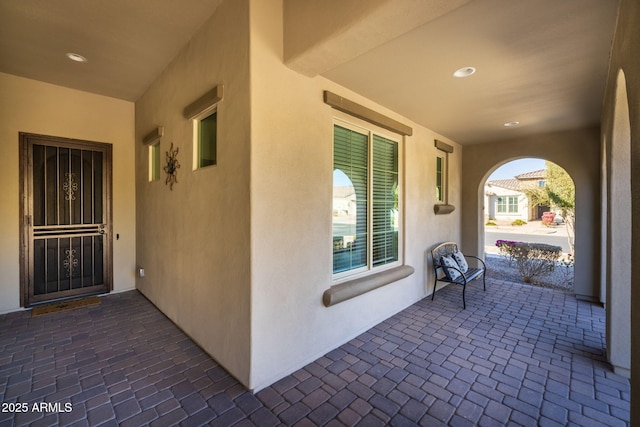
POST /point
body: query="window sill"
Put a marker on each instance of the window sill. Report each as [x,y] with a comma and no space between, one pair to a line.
[353,288]
[443,209]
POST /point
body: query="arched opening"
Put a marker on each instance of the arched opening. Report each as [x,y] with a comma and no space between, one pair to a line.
[619,237]
[530,200]
[576,151]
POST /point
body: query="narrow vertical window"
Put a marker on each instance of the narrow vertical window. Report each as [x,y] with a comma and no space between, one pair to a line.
[442,205]
[154,162]
[207,140]
[440,179]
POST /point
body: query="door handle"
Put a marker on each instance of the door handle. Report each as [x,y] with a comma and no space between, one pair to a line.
[101,229]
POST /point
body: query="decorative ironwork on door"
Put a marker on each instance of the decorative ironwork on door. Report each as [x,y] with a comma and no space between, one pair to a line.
[67,218]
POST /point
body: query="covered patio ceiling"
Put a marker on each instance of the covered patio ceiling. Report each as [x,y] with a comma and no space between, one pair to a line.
[542,64]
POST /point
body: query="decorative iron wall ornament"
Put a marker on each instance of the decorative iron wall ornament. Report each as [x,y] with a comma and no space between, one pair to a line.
[70,262]
[70,186]
[172,167]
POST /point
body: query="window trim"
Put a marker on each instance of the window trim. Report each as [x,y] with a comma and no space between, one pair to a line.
[442,197]
[197,122]
[442,205]
[370,129]
[152,140]
[199,109]
[361,112]
[354,287]
[205,103]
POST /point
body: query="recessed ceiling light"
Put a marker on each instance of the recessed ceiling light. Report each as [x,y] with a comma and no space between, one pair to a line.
[511,124]
[76,57]
[464,72]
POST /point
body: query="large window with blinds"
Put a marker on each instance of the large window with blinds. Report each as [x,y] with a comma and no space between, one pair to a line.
[365,201]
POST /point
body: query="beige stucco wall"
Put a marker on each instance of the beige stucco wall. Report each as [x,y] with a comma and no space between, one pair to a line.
[291,199]
[624,57]
[239,254]
[193,242]
[577,152]
[35,107]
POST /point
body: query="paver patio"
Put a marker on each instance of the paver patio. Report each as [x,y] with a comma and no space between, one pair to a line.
[518,355]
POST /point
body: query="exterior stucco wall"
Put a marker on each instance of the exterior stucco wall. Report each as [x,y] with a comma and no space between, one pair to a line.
[624,58]
[561,148]
[41,108]
[193,241]
[617,210]
[291,212]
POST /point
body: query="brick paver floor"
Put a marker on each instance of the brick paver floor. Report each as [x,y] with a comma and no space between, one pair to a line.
[518,355]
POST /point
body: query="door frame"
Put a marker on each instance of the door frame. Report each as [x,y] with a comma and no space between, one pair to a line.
[26,201]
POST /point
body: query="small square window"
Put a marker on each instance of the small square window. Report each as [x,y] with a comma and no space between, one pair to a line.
[206,144]
[154,162]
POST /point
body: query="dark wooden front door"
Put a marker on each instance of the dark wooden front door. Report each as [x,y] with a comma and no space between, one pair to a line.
[65,218]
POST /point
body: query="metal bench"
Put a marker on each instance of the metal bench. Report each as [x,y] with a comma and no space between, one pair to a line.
[440,272]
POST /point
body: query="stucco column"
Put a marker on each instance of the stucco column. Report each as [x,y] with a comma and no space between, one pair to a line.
[619,243]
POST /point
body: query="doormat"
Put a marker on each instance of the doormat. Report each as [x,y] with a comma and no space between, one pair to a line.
[64,306]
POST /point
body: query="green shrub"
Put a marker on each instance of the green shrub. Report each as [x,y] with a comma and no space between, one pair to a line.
[491,224]
[531,259]
[518,222]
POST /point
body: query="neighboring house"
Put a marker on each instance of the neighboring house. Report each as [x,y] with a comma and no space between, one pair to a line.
[532,179]
[506,199]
